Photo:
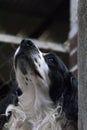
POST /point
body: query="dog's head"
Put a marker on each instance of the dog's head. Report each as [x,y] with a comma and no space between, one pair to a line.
[45,72]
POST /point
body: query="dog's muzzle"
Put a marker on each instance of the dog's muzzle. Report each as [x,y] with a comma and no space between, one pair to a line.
[26,48]
[26,56]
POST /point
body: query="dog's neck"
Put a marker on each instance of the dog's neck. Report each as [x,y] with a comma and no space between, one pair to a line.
[35,95]
[35,101]
[39,110]
[37,104]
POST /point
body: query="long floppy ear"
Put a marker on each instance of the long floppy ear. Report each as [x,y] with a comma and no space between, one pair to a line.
[71,96]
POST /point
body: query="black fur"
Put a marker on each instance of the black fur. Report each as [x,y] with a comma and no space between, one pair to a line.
[8,95]
[63,86]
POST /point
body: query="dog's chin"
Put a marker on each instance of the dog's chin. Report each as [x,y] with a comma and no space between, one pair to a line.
[24,67]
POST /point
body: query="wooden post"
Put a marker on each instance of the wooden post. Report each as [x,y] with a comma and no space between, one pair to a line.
[82,64]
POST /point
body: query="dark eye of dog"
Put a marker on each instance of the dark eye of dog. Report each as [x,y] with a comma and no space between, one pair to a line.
[52,61]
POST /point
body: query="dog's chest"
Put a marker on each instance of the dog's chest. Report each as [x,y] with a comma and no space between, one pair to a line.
[45,123]
[44,118]
[41,122]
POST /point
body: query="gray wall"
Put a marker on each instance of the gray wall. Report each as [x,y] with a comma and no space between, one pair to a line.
[82,64]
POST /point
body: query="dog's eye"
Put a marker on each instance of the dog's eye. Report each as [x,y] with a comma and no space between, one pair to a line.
[52,61]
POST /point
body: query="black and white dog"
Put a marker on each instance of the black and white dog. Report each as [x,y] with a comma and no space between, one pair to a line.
[49,99]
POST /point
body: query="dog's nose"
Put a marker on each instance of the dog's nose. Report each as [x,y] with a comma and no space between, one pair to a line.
[28,46]
[26,43]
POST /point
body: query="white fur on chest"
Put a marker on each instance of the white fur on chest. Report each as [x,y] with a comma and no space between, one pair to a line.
[35,121]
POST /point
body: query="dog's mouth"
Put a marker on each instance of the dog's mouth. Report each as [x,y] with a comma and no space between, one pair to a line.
[26,57]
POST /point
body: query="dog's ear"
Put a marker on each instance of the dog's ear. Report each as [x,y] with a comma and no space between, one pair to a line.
[70,80]
[71,96]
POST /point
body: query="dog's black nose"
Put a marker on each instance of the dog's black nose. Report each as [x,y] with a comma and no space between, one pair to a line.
[26,43]
[27,46]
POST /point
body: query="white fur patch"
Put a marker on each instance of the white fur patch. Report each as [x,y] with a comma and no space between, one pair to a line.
[20,121]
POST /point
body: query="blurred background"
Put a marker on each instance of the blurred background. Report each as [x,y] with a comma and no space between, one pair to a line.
[51,24]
